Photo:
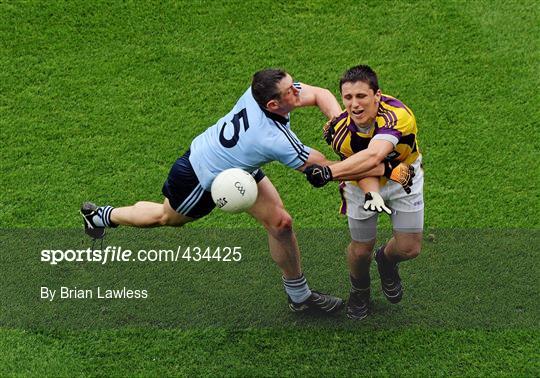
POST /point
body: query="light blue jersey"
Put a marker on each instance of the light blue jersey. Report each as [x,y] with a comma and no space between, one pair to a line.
[247,137]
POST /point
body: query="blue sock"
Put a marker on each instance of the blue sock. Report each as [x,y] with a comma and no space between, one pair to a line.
[297,288]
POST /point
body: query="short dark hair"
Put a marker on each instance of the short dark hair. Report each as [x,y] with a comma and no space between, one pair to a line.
[360,73]
[264,86]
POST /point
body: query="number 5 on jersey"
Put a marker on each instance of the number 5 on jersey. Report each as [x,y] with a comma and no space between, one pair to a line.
[229,143]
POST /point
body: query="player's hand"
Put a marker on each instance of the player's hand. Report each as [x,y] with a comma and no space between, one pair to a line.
[374,202]
[329,130]
[317,175]
[401,173]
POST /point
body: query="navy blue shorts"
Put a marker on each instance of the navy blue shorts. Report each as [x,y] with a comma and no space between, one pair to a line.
[185,193]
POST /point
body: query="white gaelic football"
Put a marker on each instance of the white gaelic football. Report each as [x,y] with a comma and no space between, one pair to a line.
[234,190]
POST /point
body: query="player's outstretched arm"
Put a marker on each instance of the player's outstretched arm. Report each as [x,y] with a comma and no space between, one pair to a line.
[365,163]
[316,158]
[362,162]
[321,97]
[319,175]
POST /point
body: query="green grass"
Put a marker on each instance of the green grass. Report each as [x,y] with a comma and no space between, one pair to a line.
[255,352]
[97,100]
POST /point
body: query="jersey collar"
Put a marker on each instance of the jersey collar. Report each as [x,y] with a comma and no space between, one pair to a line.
[355,128]
[275,117]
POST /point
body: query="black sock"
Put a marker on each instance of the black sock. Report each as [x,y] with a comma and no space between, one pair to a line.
[360,284]
[384,258]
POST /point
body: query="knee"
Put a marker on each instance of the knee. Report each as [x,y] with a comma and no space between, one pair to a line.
[281,222]
[412,250]
[285,220]
[166,218]
[360,251]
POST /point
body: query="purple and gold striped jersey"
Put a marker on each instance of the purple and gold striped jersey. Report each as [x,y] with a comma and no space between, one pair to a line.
[395,123]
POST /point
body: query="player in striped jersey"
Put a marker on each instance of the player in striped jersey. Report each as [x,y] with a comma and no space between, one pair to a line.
[374,128]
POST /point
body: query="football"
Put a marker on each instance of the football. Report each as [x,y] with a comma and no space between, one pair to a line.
[234,190]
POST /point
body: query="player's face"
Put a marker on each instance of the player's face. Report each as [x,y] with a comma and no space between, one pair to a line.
[289,95]
[360,102]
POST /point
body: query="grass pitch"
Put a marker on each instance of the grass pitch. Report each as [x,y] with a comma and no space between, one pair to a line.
[98,99]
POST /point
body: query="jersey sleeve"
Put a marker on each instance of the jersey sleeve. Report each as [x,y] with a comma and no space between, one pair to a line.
[396,124]
[287,148]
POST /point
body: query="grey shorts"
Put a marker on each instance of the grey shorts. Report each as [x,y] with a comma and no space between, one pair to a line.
[393,194]
[363,230]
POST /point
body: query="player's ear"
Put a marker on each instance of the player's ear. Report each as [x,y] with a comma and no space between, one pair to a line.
[378,95]
[272,105]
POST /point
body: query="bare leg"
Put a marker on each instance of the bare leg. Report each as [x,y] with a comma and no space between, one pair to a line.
[359,258]
[285,253]
[269,211]
[403,246]
[148,214]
